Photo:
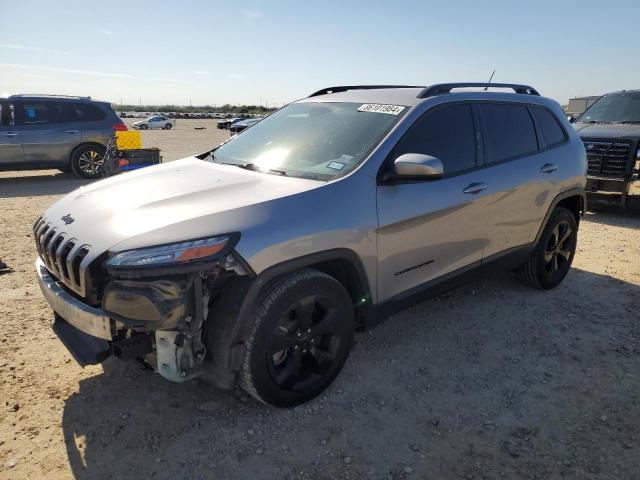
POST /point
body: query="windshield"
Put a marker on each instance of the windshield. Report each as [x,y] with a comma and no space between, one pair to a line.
[320,141]
[614,108]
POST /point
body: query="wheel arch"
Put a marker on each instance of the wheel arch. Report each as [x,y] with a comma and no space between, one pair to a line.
[235,309]
[574,200]
[81,145]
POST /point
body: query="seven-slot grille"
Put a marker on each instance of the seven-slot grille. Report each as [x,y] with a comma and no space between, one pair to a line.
[607,158]
[62,254]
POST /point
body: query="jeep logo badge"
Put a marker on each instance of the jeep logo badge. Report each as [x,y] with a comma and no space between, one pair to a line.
[67,219]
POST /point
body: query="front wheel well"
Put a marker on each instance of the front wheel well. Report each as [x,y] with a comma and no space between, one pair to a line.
[348,276]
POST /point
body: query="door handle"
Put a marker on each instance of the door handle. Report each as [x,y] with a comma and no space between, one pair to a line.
[548,168]
[71,131]
[475,188]
[10,134]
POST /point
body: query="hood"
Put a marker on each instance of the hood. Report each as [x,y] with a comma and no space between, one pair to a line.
[608,130]
[171,202]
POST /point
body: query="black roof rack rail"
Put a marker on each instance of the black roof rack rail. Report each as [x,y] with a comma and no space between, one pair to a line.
[447,87]
[345,88]
[48,95]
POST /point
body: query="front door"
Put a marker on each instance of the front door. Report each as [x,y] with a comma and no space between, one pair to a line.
[428,229]
[48,134]
[10,137]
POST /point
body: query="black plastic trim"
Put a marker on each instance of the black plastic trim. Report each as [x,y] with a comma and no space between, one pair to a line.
[443,88]
[345,88]
[505,260]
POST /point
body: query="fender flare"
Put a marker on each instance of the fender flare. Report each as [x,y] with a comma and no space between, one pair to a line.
[234,312]
[572,192]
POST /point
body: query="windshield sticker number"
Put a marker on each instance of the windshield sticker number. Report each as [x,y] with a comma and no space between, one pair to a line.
[336,165]
[377,108]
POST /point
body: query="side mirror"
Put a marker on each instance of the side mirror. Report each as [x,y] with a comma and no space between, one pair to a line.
[573,118]
[417,165]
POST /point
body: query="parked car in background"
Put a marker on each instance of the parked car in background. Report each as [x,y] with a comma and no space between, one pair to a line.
[56,131]
[610,130]
[242,125]
[227,275]
[226,124]
[155,122]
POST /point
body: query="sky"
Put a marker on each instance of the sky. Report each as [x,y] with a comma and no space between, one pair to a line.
[271,53]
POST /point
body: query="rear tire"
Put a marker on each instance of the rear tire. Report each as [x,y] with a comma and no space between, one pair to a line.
[87,161]
[551,259]
[300,340]
[168,126]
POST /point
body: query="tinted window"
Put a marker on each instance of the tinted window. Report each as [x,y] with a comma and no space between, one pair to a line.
[551,130]
[33,113]
[6,115]
[85,112]
[446,133]
[509,129]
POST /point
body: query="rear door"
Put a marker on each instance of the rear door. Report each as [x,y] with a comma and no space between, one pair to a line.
[523,175]
[48,132]
[94,123]
[428,229]
[10,136]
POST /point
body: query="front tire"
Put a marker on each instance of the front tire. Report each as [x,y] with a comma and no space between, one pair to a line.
[300,340]
[168,126]
[87,161]
[143,127]
[551,259]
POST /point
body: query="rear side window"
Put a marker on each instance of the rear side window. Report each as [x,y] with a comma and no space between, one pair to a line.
[85,112]
[551,130]
[447,133]
[509,131]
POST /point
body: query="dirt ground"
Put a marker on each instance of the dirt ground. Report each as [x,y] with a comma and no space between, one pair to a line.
[492,380]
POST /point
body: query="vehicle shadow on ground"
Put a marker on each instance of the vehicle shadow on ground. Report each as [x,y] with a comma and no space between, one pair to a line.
[40,185]
[615,216]
[490,380]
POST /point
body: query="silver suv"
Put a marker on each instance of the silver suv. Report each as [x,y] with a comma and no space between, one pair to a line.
[55,131]
[256,262]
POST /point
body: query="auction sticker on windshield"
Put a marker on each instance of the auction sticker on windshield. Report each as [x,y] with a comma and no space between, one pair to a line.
[377,108]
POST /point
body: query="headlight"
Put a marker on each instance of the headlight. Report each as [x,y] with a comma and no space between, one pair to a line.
[193,251]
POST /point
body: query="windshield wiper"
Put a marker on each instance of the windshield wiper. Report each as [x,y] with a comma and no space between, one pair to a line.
[253,168]
[629,121]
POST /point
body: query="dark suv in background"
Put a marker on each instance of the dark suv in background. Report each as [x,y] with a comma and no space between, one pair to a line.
[54,131]
[610,130]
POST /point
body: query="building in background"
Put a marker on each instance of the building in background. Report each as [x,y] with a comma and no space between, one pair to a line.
[578,105]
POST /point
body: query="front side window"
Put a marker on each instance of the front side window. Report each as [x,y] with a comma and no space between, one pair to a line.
[509,131]
[7,118]
[34,113]
[447,133]
[321,141]
[621,107]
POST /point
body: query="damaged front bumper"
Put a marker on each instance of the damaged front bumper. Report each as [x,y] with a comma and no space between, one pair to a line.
[84,330]
[93,334]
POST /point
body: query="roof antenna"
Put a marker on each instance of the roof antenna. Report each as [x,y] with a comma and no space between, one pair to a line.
[490,78]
